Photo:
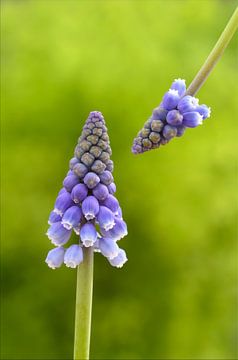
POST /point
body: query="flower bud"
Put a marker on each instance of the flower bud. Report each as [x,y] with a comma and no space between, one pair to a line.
[180,130]
[106,177]
[73,256]
[105,218]
[88,234]
[204,110]
[192,119]
[159,113]
[62,203]
[55,257]
[112,188]
[80,170]
[73,162]
[91,180]
[179,85]
[169,132]
[119,260]
[53,218]
[118,231]
[58,234]
[108,248]
[70,181]
[174,118]
[100,192]
[90,207]
[79,193]
[111,203]
[187,103]
[72,217]
[170,99]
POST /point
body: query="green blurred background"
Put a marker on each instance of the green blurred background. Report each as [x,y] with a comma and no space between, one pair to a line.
[176,297]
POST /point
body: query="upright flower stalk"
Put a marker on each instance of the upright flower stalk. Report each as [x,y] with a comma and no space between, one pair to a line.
[179,108]
[87,206]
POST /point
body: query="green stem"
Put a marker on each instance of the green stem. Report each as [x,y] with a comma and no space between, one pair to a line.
[215,54]
[83,306]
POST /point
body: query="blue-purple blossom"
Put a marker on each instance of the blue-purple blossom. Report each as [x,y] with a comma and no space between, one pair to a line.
[119,260]
[72,217]
[53,218]
[85,203]
[79,193]
[91,180]
[170,99]
[118,231]
[62,203]
[73,256]
[111,203]
[101,192]
[58,234]
[112,188]
[192,119]
[105,218]
[90,207]
[108,248]
[55,257]
[88,234]
[70,181]
[170,119]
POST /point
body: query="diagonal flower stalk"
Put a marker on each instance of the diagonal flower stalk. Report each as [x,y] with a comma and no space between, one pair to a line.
[215,54]
[179,108]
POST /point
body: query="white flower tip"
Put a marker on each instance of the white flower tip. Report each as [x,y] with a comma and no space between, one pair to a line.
[58,212]
[182,80]
[70,264]
[88,243]
[66,225]
[174,92]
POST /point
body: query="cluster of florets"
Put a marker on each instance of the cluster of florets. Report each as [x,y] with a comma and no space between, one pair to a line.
[86,204]
[170,119]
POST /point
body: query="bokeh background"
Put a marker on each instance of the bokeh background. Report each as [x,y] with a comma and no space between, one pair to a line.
[176,297]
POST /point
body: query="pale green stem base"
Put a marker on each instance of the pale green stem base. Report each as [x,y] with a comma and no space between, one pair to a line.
[215,54]
[83,306]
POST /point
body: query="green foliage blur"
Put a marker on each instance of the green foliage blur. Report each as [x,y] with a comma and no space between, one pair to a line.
[176,296]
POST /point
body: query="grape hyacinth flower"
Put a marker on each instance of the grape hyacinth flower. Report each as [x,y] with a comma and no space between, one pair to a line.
[86,205]
[170,119]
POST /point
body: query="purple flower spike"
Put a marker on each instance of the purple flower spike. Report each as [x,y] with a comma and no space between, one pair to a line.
[192,119]
[53,218]
[90,207]
[111,203]
[187,103]
[73,256]
[204,110]
[108,248]
[105,218]
[70,181]
[170,99]
[79,193]
[63,202]
[72,217]
[58,234]
[91,180]
[88,234]
[55,257]
[167,120]
[101,192]
[119,260]
[174,117]
[179,85]
[112,188]
[80,206]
